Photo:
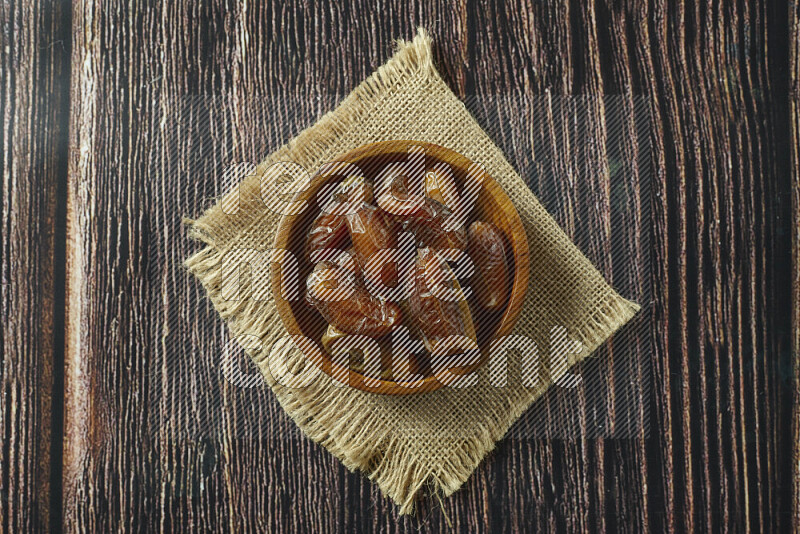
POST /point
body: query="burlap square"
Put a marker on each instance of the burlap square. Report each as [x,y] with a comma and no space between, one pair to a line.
[432,440]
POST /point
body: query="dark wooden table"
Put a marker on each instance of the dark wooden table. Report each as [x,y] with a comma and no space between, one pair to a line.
[87,410]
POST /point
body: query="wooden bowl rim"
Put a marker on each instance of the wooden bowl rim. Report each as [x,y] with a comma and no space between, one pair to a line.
[518,241]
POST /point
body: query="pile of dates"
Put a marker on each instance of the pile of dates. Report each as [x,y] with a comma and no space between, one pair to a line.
[362,285]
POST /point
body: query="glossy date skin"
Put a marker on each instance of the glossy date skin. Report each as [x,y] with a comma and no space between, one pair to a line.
[342,299]
[428,226]
[440,187]
[425,217]
[347,260]
[432,303]
[329,229]
[437,307]
[486,249]
[349,195]
[371,231]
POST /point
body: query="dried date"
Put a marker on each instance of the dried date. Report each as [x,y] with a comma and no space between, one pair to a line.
[329,229]
[427,218]
[437,307]
[342,299]
[486,249]
[371,231]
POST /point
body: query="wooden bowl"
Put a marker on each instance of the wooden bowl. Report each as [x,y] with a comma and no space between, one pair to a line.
[492,205]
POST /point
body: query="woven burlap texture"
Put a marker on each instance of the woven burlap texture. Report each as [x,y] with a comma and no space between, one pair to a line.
[431,441]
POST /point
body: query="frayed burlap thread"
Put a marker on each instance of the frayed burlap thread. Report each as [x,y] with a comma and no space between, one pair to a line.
[433,440]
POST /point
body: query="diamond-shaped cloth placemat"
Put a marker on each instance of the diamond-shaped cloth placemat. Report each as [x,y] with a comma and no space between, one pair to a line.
[433,440]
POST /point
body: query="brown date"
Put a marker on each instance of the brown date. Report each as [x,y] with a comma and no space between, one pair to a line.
[440,187]
[348,260]
[436,306]
[329,229]
[371,231]
[331,343]
[428,227]
[398,200]
[490,281]
[344,259]
[345,304]
[426,218]
[349,194]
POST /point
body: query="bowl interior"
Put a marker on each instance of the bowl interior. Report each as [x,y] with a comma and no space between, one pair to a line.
[492,205]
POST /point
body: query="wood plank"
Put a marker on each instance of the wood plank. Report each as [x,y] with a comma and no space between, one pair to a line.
[157,438]
[34,73]
[794,121]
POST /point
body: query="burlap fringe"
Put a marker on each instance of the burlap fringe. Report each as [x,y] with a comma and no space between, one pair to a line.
[395,469]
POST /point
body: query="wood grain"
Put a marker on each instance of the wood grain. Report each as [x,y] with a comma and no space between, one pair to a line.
[34,73]
[794,121]
[163,443]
